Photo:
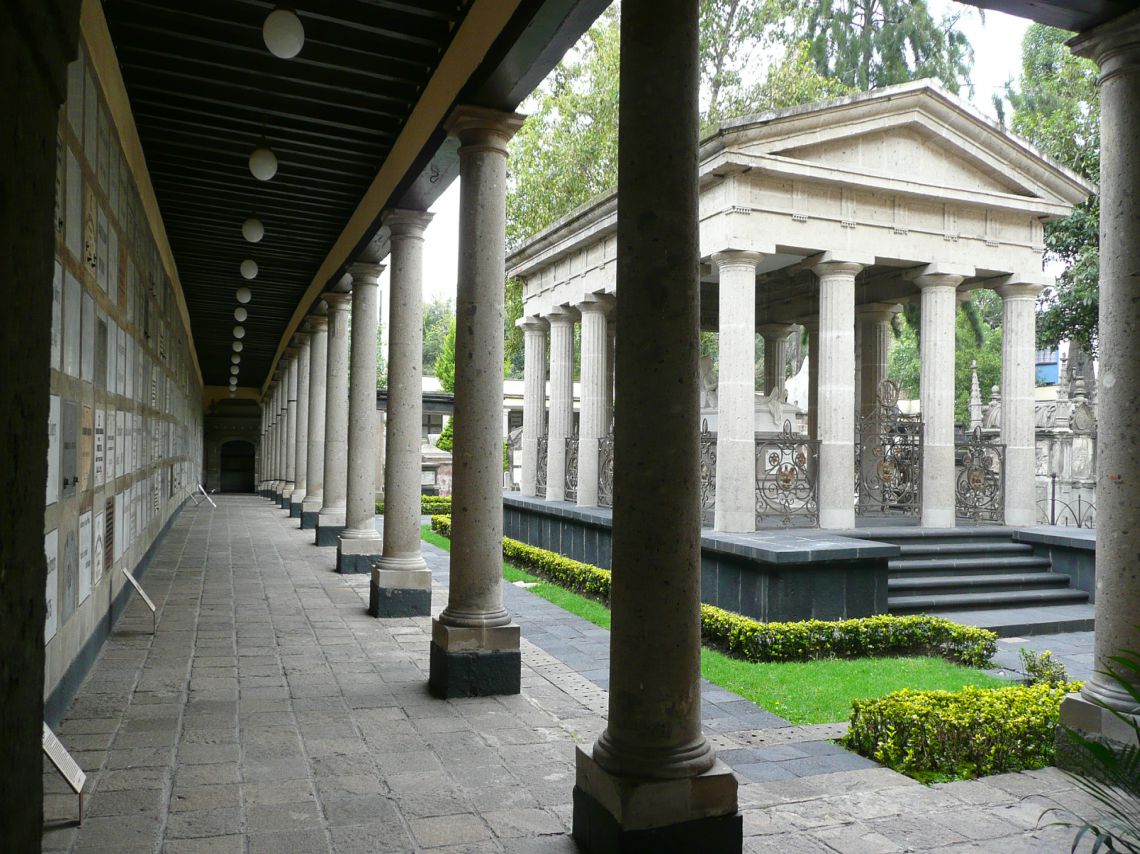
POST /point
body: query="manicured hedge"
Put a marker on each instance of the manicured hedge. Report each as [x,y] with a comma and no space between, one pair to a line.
[744,637]
[967,733]
[428,504]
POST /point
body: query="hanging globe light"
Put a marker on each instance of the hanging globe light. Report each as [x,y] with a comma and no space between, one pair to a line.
[239,332]
[243,294]
[234,369]
[249,269]
[253,229]
[237,345]
[240,314]
[263,163]
[283,33]
[236,359]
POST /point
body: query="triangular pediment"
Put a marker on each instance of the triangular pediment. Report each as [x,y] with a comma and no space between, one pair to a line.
[916,132]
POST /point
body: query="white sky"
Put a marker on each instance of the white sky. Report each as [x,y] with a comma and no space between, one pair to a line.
[997,58]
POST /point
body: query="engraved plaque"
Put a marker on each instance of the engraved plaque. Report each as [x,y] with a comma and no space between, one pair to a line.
[63,762]
[85,559]
[69,460]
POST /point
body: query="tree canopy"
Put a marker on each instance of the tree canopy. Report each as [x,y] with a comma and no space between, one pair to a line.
[1056,106]
[438,314]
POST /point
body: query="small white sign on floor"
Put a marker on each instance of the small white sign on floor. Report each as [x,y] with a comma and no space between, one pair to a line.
[145,598]
[67,767]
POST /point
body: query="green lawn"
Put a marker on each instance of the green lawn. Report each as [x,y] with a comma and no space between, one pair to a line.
[809,692]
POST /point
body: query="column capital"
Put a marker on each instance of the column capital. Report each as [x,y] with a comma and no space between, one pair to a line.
[939,275]
[407,223]
[365,273]
[736,258]
[301,336]
[1023,285]
[774,330]
[849,262]
[316,323]
[482,128]
[599,303]
[877,312]
[337,301]
[562,314]
[809,322]
[1114,45]
[532,323]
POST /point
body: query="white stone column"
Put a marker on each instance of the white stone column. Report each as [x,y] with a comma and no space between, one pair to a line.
[359,544]
[936,391]
[811,327]
[275,443]
[474,645]
[592,425]
[301,445]
[534,397]
[875,344]
[735,508]
[315,456]
[282,430]
[1115,46]
[331,520]
[401,581]
[611,352]
[561,422]
[1018,380]
[260,456]
[835,416]
[775,357]
[291,354]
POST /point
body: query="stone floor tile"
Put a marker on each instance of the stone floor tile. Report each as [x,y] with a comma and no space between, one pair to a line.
[299,841]
[230,844]
[457,829]
[522,822]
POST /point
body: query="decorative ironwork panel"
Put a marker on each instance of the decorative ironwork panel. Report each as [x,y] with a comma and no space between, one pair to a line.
[708,471]
[540,468]
[786,463]
[606,471]
[888,458]
[979,486]
[572,467]
[1077,514]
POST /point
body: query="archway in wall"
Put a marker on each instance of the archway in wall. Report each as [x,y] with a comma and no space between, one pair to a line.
[237,457]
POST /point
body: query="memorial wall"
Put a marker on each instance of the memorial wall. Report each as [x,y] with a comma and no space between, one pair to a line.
[125,421]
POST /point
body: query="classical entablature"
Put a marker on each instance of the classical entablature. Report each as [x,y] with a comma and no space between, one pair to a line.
[903,177]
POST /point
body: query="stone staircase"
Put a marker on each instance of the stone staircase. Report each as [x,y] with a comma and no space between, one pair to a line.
[980,576]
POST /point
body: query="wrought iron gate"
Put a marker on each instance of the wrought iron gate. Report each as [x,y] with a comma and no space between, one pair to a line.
[572,467]
[540,466]
[979,485]
[786,463]
[888,458]
[708,472]
[606,471]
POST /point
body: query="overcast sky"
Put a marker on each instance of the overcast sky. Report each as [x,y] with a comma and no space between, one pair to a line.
[997,58]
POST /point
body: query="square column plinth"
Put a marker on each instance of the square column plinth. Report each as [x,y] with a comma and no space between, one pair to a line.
[286,497]
[295,508]
[474,661]
[329,526]
[310,517]
[357,554]
[399,592]
[614,813]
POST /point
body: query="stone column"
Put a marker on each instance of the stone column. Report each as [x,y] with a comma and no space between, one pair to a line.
[1115,46]
[315,457]
[775,357]
[301,445]
[260,453]
[1018,379]
[611,350]
[592,425]
[474,644]
[652,780]
[875,323]
[359,544]
[811,327]
[561,422]
[290,428]
[736,389]
[276,475]
[534,397]
[330,521]
[282,429]
[401,581]
[936,392]
[835,420]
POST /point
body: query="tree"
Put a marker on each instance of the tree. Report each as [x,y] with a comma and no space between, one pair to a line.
[381,362]
[1057,108]
[437,318]
[445,361]
[871,43]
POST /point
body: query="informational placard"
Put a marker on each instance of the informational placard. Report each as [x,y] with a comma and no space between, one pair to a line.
[145,598]
[87,361]
[70,569]
[97,551]
[67,767]
[53,450]
[120,443]
[56,315]
[87,448]
[69,448]
[100,446]
[51,555]
[72,306]
[85,559]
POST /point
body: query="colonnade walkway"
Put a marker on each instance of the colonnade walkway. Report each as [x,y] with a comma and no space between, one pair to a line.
[270,713]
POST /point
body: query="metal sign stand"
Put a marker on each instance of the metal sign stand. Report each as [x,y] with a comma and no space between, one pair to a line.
[194,493]
[145,598]
[67,767]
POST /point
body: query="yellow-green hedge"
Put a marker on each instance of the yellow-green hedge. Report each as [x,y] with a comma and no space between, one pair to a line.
[428,504]
[967,733]
[744,637]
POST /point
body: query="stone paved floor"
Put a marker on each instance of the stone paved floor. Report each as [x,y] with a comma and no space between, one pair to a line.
[271,714]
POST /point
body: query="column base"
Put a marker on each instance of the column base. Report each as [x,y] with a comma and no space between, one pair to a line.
[625,814]
[310,512]
[399,592]
[622,814]
[286,497]
[295,502]
[1092,721]
[357,554]
[329,527]
[474,662]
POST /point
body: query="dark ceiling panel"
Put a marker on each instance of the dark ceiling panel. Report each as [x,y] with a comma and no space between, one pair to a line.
[205,92]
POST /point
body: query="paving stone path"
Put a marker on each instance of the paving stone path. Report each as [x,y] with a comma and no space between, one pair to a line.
[270,713]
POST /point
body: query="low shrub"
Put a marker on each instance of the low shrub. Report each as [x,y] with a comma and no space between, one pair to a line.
[961,734]
[428,504]
[1042,669]
[744,637]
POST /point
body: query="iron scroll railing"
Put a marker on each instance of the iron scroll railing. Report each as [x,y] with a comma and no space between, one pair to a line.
[540,469]
[1080,513]
[979,485]
[888,458]
[572,468]
[786,463]
[606,471]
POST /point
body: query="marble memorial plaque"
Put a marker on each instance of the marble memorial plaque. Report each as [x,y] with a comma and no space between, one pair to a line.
[70,569]
[57,315]
[97,547]
[100,446]
[72,306]
[87,353]
[73,226]
[117,552]
[87,449]
[53,450]
[102,249]
[85,561]
[51,554]
[100,350]
[69,448]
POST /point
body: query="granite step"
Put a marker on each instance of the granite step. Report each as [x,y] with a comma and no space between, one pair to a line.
[976,583]
[930,603]
[969,565]
[988,547]
[1026,621]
